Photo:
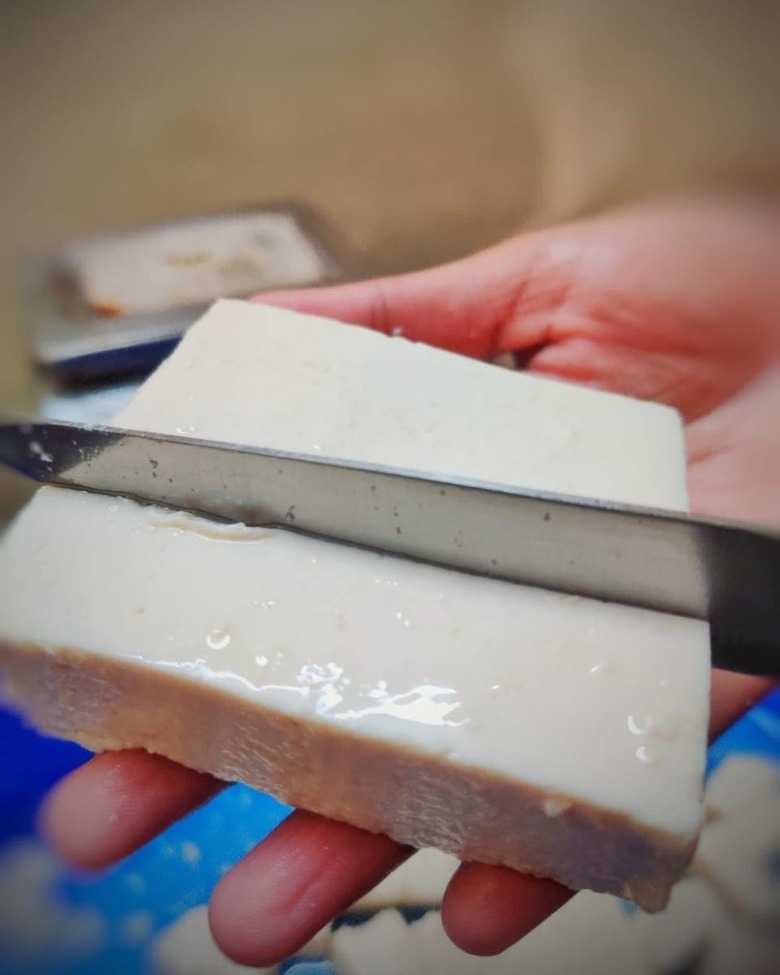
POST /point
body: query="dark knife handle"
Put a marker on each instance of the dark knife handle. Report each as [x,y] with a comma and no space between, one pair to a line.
[743,570]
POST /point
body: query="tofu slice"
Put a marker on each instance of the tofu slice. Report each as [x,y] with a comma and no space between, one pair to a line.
[496,722]
[248,373]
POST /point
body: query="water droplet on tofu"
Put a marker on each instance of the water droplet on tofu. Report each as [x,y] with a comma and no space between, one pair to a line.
[218,639]
[601,666]
[639,725]
[647,755]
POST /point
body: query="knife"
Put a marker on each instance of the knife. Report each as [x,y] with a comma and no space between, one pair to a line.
[722,571]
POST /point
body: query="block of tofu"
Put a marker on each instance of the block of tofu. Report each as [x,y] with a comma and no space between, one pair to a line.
[247,373]
[496,722]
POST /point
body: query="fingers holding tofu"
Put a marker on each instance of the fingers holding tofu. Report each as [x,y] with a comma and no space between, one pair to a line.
[119,801]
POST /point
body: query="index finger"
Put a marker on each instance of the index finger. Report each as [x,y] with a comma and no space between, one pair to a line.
[468,306]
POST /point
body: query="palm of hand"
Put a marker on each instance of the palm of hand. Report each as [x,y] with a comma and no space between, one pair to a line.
[676,303]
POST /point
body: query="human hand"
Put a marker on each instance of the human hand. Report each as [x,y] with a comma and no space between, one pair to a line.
[677,302]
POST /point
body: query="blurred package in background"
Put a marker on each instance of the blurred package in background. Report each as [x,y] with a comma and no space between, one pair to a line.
[106,306]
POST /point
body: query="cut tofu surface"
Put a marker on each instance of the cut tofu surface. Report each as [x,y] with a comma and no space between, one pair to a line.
[252,374]
[469,675]
[497,722]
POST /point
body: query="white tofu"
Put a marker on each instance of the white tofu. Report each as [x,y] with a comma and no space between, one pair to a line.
[500,723]
[186,947]
[248,373]
[420,881]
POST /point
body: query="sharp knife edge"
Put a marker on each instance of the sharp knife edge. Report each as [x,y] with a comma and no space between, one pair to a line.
[725,572]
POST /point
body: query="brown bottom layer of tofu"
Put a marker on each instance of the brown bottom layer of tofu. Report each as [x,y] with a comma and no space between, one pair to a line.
[107,703]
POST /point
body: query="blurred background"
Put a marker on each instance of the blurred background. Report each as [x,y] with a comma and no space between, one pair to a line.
[421,130]
[396,121]
[417,131]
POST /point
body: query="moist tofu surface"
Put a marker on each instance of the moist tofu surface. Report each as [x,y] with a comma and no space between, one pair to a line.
[252,374]
[497,722]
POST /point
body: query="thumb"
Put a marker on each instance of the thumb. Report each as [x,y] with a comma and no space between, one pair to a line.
[462,306]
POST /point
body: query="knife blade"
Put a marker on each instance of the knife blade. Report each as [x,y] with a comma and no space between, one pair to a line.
[722,571]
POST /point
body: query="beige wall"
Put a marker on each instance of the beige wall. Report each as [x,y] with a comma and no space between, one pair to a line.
[394,119]
[424,129]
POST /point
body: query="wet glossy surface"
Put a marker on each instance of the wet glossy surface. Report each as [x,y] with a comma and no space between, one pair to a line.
[602,701]
[307,385]
[531,684]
